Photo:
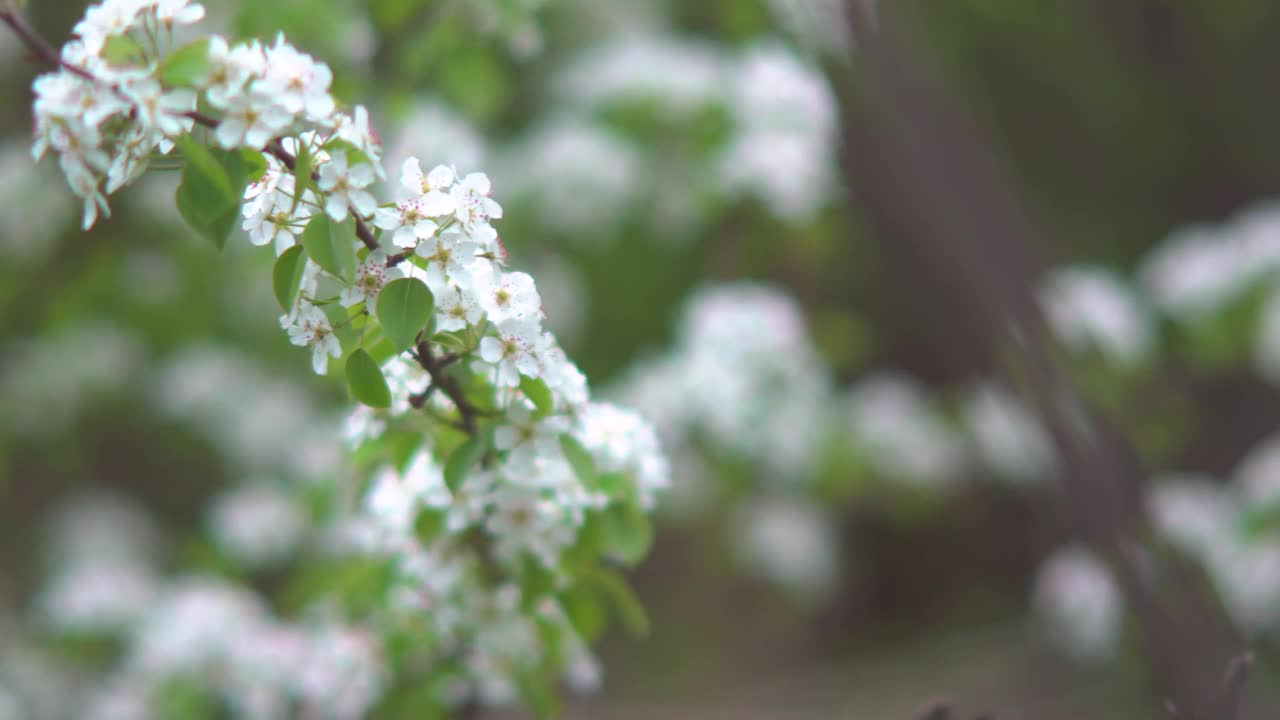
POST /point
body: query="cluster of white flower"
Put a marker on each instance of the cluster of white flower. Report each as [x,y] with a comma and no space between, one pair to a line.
[103,115]
[784,148]
[46,382]
[745,385]
[777,144]
[31,217]
[222,636]
[510,467]
[743,371]
[259,421]
[1229,528]
[101,557]
[204,631]
[1202,274]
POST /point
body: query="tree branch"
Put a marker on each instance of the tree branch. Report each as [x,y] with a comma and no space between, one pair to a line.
[448,384]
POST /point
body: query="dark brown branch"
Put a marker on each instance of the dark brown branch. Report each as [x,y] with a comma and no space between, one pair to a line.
[38,46]
[448,384]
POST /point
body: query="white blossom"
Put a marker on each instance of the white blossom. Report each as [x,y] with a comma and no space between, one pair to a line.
[345,188]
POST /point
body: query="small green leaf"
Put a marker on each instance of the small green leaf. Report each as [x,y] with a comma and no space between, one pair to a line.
[331,245]
[539,696]
[365,379]
[119,50]
[629,608]
[580,460]
[461,461]
[535,582]
[627,532]
[428,525]
[211,188]
[585,610]
[404,309]
[302,171]
[287,275]
[255,164]
[188,66]
[538,393]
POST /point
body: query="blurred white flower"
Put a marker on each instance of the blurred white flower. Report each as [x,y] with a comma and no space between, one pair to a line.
[790,542]
[784,148]
[1192,511]
[1009,438]
[1257,476]
[1266,349]
[597,176]
[1194,272]
[676,76]
[1080,604]
[892,420]
[257,524]
[1091,309]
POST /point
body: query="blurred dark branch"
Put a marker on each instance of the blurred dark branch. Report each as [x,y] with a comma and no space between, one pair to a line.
[930,188]
[1233,686]
[40,48]
[448,384]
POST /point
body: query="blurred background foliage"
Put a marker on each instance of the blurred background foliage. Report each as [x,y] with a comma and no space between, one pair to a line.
[1120,121]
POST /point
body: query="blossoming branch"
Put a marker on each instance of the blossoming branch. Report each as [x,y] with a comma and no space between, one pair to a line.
[499,493]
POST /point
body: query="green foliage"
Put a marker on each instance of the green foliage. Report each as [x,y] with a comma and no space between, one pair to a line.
[186,66]
[365,379]
[461,460]
[331,245]
[211,189]
[404,308]
[286,276]
[538,393]
[303,163]
[580,460]
[627,532]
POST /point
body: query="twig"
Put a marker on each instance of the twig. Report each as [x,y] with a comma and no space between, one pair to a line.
[39,46]
[1233,685]
[448,384]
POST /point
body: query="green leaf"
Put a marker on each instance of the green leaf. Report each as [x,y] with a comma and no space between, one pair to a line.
[255,164]
[580,460]
[629,608]
[331,245]
[211,188]
[428,525]
[535,582]
[287,275]
[365,379]
[627,532]
[404,309]
[302,171]
[187,66]
[585,610]
[537,392]
[119,50]
[538,696]
[461,461]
